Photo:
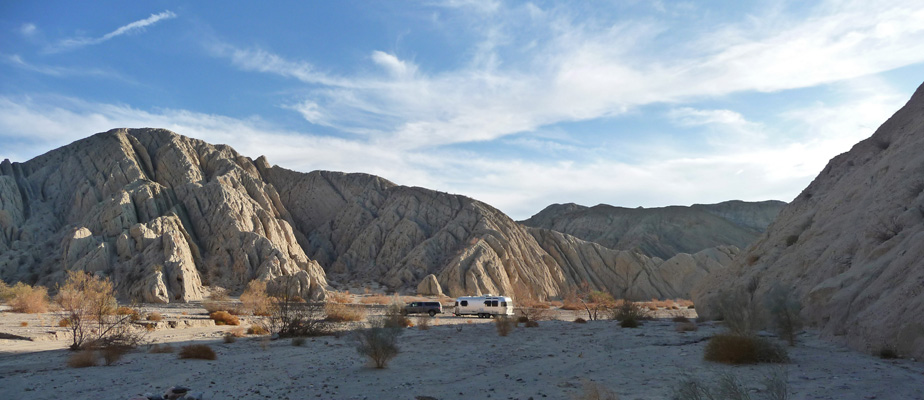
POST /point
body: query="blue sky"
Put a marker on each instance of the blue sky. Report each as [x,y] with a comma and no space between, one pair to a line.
[519,104]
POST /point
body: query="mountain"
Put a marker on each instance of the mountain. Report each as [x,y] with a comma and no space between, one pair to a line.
[851,245]
[661,232]
[169,218]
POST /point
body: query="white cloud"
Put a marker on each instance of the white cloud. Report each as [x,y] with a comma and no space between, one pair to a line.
[397,68]
[28,29]
[77,42]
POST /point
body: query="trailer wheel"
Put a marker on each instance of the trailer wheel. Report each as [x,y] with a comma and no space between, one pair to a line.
[432,313]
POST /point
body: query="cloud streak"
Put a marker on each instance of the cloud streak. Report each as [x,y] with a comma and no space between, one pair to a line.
[137,26]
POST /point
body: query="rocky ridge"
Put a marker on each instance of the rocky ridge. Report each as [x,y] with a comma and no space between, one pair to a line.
[664,231]
[850,244]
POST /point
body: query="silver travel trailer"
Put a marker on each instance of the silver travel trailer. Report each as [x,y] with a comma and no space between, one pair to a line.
[485,306]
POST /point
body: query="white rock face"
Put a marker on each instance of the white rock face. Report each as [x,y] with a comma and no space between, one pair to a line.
[160,213]
[851,243]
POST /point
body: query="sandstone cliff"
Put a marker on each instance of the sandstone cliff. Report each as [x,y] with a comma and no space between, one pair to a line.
[661,232]
[851,243]
[160,213]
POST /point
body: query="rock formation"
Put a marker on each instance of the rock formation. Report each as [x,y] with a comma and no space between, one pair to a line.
[160,213]
[429,286]
[850,245]
[661,232]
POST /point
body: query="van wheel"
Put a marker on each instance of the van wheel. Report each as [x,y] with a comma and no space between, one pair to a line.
[432,313]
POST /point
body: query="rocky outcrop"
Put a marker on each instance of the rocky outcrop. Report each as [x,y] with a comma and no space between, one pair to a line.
[160,213]
[850,243]
[429,286]
[661,232]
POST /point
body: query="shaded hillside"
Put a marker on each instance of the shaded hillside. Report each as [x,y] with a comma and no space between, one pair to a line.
[661,232]
[851,243]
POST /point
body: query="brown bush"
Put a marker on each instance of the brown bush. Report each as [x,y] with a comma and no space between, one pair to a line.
[594,391]
[736,349]
[23,324]
[218,294]
[161,348]
[64,323]
[82,359]
[580,320]
[4,292]
[376,299]
[338,297]
[112,354]
[680,318]
[229,338]
[686,327]
[197,351]
[88,303]
[532,324]
[504,325]
[423,323]
[338,312]
[224,318]
[522,319]
[255,300]
[257,330]
[155,316]
[238,332]
[298,341]
[27,299]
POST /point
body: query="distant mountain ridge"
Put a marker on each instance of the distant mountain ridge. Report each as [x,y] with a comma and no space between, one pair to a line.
[661,232]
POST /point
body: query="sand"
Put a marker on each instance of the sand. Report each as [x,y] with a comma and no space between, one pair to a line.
[457,358]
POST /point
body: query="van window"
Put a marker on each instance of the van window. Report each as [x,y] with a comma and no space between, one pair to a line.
[464,303]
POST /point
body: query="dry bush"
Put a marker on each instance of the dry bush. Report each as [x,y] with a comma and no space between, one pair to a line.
[213,306]
[728,386]
[88,303]
[684,303]
[591,390]
[680,318]
[580,320]
[197,351]
[504,325]
[338,297]
[394,315]
[298,341]
[535,314]
[686,327]
[738,310]
[555,304]
[376,299]
[887,352]
[783,308]
[339,312]
[219,294]
[27,299]
[629,314]
[224,318]
[82,359]
[112,354]
[378,343]
[155,316]
[161,348]
[238,331]
[290,317]
[255,300]
[257,330]
[736,349]
[229,338]
[64,323]
[423,323]
[532,324]
[4,292]
[23,324]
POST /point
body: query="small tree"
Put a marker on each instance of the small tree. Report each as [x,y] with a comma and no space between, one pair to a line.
[255,299]
[23,298]
[596,303]
[783,308]
[290,316]
[89,305]
[377,342]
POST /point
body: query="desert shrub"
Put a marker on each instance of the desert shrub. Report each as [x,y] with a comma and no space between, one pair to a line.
[376,299]
[685,327]
[394,315]
[339,312]
[114,353]
[736,349]
[218,294]
[378,343]
[595,302]
[229,338]
[27,299]
[738,310]
[522,319]
[155,316]
[257,330]
[23,324]
[591,390]
[629,314]
[88,303]
[290,317]
[161,348]
[82,359]
[532,324]
[534,314]
[4,292]
[580,320]
[338,297]
[64,323]
[887,352]
[783,308]
[298,341]
[197,351]
[224,318]
[238,331]
[680,318]
[423,323]
[255,300]
[213,306]
[728,386]
[504,325]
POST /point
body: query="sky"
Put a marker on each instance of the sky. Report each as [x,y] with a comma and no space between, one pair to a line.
[518,104]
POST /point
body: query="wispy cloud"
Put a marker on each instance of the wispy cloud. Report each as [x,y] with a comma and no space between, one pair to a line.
[17,61]
[137,26]
[28,30]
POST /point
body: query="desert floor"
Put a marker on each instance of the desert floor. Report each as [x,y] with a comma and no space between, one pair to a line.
[457,358]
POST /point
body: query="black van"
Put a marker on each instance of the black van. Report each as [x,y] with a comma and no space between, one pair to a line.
[424,307]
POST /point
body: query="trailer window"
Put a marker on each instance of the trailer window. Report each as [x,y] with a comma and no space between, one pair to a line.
[464,303]
[487,303]
[503,304]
